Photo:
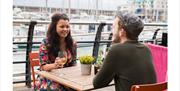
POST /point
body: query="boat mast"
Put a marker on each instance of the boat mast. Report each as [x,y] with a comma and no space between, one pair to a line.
[96,10]
[69,9]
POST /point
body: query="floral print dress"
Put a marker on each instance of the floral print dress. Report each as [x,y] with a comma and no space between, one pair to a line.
[43,84]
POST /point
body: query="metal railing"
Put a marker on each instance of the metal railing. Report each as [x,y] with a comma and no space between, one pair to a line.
[96,42]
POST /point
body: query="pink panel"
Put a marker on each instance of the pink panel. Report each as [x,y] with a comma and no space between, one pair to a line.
[159,54]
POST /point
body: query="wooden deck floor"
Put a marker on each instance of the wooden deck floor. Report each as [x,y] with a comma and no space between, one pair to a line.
[21,87]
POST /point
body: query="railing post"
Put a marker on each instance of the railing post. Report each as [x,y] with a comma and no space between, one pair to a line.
[154,36]
[108,45]
[97,40]
[28,50]
[164,39]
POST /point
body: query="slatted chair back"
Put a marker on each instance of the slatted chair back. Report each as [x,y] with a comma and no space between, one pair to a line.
[34,61]
[150,87]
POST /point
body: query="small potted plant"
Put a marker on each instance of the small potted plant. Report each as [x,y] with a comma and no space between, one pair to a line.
[98,62]
[86,63]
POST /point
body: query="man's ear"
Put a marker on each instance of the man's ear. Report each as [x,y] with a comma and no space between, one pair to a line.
[122,32]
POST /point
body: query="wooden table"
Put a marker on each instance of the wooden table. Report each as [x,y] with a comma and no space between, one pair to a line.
[70,77]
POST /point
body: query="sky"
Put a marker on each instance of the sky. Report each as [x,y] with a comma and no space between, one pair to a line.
[82,4]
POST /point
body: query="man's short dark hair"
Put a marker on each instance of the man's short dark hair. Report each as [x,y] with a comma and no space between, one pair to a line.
[131,24]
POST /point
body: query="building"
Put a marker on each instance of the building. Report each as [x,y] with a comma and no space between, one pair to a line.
[149,10]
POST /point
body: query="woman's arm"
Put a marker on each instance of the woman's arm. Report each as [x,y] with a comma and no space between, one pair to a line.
[43,56]
[48,67]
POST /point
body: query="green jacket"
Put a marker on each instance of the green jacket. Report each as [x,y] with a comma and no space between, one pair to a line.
[128,64]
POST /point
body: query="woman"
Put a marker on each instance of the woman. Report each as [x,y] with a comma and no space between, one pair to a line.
[58,40]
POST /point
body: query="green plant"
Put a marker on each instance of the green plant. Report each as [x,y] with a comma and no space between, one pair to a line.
[100,58]
[86,59]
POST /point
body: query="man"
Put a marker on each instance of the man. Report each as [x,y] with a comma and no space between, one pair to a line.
[128,62]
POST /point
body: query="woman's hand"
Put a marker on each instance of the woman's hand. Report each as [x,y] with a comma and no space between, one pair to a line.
[49,67]
[59,62]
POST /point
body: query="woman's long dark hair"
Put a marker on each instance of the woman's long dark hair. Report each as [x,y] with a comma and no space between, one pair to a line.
[53,37]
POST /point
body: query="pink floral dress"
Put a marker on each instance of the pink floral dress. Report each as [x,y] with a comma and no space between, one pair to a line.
[43,84]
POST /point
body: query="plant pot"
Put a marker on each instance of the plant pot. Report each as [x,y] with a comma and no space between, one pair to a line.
[85,69]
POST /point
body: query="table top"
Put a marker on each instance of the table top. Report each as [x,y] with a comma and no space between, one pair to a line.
[70,77]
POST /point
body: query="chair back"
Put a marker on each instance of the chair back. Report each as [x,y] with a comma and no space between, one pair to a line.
[150,87]
[159,55]
[34,61]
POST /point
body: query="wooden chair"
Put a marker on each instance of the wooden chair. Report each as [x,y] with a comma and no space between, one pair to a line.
[150,87]
[34,61]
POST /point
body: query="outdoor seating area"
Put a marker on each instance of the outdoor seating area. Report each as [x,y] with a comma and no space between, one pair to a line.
[67,77]
[79,82]
[90,45]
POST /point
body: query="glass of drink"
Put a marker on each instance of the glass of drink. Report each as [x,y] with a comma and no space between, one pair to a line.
[63,56]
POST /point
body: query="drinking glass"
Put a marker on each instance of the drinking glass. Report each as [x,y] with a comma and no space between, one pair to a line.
[63,55]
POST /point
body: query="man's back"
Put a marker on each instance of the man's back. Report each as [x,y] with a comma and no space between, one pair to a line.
[128,63]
